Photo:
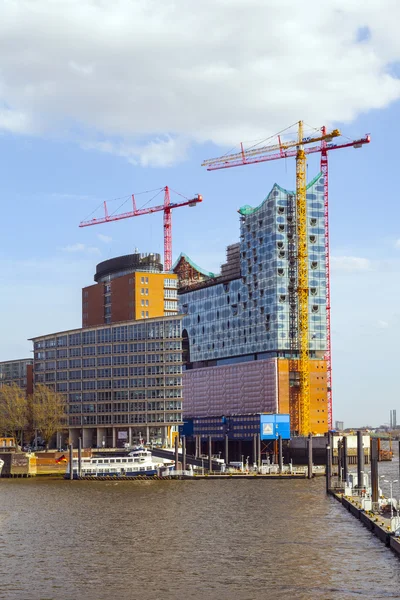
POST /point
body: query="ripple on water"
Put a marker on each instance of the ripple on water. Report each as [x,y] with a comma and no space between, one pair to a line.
[194,540]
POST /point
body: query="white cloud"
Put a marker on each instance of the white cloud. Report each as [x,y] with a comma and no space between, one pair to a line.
[104,238]
[78,247]
[383,324]
[350,264]
[144,80]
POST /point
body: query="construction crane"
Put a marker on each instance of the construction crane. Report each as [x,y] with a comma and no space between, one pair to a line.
[167,208]
[300,148]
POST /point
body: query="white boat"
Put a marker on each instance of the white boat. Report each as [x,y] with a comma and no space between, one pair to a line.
[138,462]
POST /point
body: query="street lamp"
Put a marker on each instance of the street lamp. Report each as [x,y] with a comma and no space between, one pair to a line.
[391,482]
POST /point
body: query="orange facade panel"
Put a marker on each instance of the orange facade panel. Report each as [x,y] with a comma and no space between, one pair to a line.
[318,393]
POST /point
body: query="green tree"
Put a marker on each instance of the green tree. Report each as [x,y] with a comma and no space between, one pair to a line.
[48,412]
[13,411]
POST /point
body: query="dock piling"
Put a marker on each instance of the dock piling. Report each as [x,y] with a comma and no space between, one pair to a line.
[255,448]
[209,454]
[280,452]
[184,453]
[310,457]
[374,472]
[80,457]
[176,453]
[71,461]
[328,463]
[360,459]
[345,459]
[259,450]
[226,449]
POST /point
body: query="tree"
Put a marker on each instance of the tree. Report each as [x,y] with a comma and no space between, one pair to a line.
[13,411]
[48,412]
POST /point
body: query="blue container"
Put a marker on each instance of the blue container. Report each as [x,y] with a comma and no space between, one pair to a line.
[187,428]
[272,426]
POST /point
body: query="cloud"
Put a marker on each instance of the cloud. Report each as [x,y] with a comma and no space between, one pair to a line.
[78,247]
[383,324]
[104,238]
[350,264]
[397,243]
[145,80]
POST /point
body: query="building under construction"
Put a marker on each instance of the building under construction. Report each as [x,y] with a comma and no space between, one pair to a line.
[240,327]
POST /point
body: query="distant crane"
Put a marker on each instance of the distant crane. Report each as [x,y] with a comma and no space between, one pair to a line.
[300,410]
[167,208]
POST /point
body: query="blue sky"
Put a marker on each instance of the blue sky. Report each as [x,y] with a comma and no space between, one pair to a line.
[133,104]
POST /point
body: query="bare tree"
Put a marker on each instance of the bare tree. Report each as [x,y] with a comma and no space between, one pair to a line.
[48,412]
[13,411]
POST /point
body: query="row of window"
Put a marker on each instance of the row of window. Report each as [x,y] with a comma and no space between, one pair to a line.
[108,384]
[137,331]
[124,419]
[124,407]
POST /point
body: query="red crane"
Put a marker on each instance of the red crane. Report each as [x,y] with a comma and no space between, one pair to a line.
[258,154]
[167,207]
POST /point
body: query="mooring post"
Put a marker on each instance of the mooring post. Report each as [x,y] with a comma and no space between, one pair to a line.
[310,457]
[80,457]
[374,472]
[226,449]
[71,461]
[259,450]
[345,459]
[209,454]
[360,459]
[184,453]
[328,470]
[339,459]
[280,452]
[255,448]
[176,452]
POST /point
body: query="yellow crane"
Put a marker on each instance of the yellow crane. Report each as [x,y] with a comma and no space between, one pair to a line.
[284,150]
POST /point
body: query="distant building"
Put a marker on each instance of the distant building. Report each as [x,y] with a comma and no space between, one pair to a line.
[240,328]
[339,425]
[18,372]
[393,419]
[122,382]
[131,287]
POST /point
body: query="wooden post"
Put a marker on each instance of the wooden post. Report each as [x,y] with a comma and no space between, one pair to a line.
[209,454]
[71,461]
[259,450]
[255,448]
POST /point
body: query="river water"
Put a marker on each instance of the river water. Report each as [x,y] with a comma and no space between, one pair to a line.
[241,540]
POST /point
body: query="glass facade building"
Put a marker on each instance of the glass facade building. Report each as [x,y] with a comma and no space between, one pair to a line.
[249,315]
[18,372]
[122,382]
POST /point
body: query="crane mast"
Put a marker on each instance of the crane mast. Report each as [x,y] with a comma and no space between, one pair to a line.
[302,268]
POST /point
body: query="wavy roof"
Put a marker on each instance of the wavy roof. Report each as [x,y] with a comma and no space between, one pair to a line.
[192,264]
[248,210]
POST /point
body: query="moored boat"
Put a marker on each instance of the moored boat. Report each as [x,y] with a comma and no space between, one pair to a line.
[139,462]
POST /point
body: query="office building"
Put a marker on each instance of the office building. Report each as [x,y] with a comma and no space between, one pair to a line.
[19,372]
[131,287]
[122,382]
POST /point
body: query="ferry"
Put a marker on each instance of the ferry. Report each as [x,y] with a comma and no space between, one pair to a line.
[138,462]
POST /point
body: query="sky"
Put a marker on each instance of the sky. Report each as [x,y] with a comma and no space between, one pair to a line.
[99,100]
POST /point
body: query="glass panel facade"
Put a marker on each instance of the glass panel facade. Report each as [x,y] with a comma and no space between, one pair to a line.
[250,314]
